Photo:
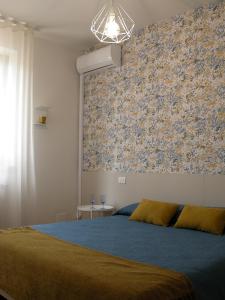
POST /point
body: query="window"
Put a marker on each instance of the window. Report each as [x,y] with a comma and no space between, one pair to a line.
[8,109]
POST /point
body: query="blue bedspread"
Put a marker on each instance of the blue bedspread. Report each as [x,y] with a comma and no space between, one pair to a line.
[201,256]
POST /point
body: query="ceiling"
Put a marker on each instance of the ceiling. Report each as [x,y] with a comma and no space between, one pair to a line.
[68,21]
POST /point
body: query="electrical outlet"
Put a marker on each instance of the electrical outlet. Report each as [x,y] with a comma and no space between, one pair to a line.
[122,180]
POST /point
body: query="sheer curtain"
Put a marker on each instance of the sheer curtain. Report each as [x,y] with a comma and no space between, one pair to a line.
[16,142]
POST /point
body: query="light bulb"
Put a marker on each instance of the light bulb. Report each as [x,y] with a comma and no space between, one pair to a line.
[112,29]
[112,24]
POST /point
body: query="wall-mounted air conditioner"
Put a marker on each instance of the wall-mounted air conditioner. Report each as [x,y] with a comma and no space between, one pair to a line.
[101,58]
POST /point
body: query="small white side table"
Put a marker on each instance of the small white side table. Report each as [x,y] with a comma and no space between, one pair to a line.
[92,209]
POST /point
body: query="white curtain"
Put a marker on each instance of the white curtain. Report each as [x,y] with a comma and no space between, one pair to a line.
[16,142]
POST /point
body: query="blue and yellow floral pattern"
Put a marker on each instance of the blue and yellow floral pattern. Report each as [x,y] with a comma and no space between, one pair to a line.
[164,109]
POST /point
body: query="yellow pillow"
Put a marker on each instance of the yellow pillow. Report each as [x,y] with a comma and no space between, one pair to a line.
[154,212]
[202,218]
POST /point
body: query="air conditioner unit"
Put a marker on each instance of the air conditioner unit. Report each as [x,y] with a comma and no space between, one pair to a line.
[101,58]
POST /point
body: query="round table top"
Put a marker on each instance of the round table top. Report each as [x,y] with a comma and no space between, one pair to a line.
[96,207]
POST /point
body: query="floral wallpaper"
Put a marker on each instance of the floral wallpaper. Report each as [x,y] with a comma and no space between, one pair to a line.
[164,109]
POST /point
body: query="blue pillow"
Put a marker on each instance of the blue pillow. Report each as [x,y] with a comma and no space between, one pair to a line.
[127,210]
[177,214]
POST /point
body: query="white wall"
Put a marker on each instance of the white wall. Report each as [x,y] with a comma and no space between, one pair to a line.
[56,148]
[208,190]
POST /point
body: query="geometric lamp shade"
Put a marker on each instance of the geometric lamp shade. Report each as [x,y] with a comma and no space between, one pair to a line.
[112,24]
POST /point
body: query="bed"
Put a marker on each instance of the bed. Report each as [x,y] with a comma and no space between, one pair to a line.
[199,256]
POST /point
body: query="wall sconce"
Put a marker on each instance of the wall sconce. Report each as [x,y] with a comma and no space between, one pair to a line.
[41,116]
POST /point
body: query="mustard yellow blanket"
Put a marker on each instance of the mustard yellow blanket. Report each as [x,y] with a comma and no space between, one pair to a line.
[36,266]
